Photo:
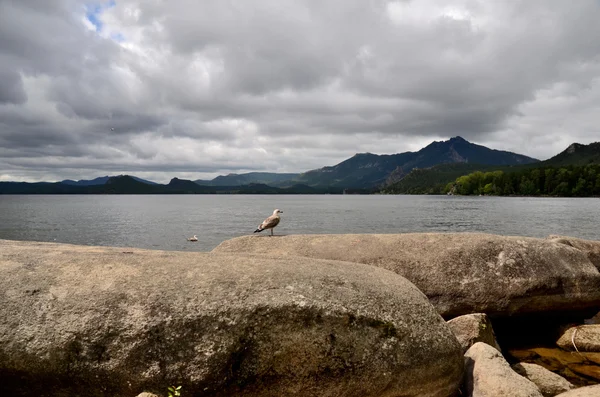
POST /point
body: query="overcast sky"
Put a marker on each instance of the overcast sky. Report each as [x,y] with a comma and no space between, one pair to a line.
[193,89]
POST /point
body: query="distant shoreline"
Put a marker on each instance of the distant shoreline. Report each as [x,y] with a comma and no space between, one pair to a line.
[274,194]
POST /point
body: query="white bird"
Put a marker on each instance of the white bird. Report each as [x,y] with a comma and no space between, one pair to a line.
[192,238]
[270,222]
[112,129]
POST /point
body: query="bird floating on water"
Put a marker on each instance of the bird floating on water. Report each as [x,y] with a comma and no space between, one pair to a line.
[193,238]
[270,222]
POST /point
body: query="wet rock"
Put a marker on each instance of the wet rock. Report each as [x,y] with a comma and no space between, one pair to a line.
[581,369]
[94,321]
[549,383]
[472,328]
[460,273]
[487,374]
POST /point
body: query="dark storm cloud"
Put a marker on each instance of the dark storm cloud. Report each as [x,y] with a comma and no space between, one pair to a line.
[11,88]
[204,87]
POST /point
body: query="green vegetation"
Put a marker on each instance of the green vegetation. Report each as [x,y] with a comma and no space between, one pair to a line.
[126,184]
[174,391]
[370,171]
[576,154]
[433,180]
[570,181]
[441,178]
[267,178]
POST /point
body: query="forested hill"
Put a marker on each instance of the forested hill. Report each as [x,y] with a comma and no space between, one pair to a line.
[367,170]
[267,178]
[567,181]
[576,154]
[435,180]
[125,184]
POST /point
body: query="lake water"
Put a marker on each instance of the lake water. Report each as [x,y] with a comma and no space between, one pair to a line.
[165,221]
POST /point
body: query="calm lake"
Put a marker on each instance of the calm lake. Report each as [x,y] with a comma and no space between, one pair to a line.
[165,221]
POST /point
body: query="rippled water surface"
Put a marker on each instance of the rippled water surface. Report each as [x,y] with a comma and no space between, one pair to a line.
[165,221]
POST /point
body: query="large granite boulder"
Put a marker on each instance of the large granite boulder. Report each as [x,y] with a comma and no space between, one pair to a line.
[487,374]
[461,273]
[94,321]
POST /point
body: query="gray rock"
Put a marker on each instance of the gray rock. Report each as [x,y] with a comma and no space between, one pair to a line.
[145,394]
[585,337]
[99,321]
[590,247]
[549,383]
[461,273]
[588,391]
[487,374]
[472,328]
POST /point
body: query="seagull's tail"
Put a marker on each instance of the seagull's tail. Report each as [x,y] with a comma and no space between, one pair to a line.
[258,230]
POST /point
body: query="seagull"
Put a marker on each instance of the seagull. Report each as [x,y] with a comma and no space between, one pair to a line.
[270,222]
[192,238]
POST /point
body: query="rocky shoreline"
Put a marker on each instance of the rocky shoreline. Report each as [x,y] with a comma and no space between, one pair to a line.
[390,315]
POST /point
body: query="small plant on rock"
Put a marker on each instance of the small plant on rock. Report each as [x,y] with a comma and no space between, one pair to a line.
[174,391]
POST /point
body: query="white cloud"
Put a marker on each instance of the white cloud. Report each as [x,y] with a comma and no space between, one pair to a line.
[198,88]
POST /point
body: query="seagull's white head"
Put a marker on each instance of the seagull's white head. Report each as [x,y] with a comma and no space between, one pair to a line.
[277,212]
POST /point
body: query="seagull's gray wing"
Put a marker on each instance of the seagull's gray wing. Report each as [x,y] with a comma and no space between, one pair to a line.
[270,222]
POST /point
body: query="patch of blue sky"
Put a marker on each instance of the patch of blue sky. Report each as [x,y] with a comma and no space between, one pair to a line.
[118,37]
[94,10]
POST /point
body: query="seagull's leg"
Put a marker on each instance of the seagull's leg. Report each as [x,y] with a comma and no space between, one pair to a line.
[271,231]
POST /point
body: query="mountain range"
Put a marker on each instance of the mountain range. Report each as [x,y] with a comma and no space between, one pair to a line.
[369,171]
[437,163]
[433,179]
[100,181]
[126,184]
[267,178]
